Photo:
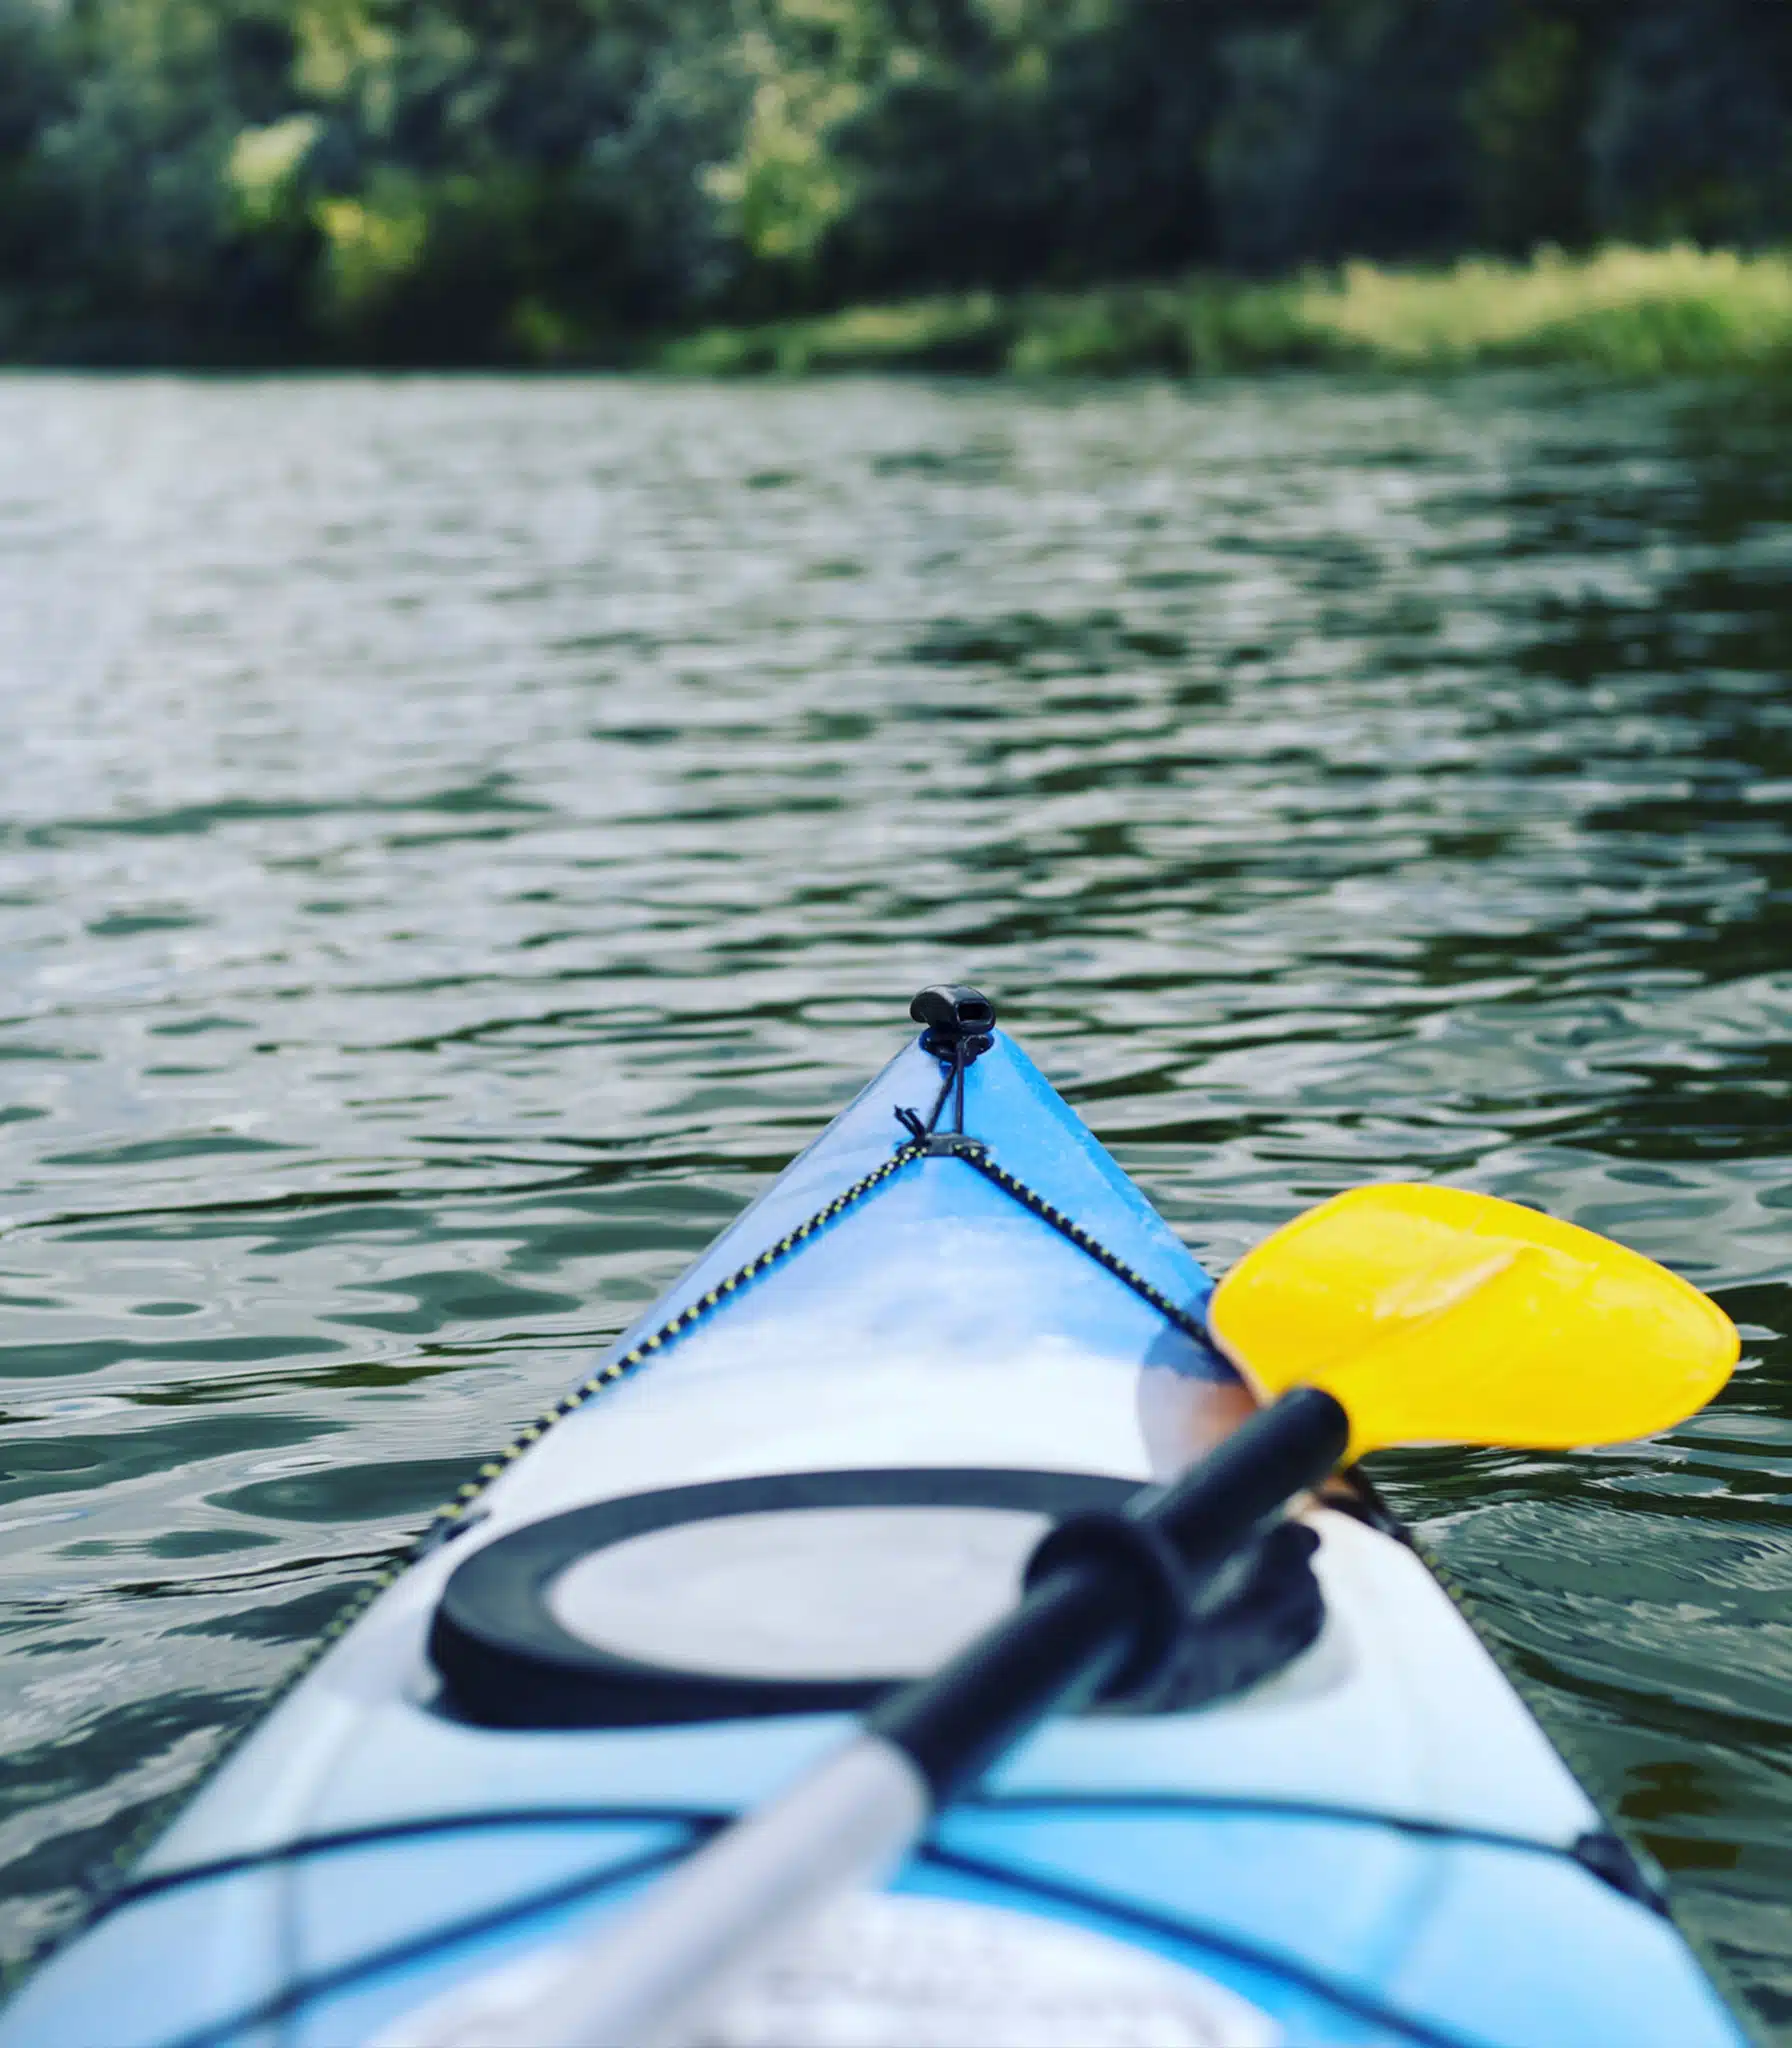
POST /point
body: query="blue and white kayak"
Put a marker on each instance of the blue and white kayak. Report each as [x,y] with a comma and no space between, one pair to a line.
[815,1469]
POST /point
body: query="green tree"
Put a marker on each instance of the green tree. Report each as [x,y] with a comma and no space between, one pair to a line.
[493,180]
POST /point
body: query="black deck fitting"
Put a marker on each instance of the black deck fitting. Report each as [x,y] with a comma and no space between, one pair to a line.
[958,1021]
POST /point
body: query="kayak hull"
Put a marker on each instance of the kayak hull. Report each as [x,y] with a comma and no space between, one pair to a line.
[1376,1843]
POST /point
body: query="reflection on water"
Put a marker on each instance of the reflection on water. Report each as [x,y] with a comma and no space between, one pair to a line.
[460,837]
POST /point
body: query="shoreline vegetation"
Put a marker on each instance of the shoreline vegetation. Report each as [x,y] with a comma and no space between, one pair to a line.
[1622,312]
[701,186]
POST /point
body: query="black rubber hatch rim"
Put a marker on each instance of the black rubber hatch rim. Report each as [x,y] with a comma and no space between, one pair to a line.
[506,1660]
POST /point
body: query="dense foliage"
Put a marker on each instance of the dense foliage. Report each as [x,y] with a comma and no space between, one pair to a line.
[474,180]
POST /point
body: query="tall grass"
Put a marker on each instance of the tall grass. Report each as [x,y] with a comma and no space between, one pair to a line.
[1632,312]
[1624,312]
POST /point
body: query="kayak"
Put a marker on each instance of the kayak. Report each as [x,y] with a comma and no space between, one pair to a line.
[812,1470]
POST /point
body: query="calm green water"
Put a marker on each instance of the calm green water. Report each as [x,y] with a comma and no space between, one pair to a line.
[461,837]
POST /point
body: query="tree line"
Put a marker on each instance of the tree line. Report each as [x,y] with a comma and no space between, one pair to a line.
[443,181]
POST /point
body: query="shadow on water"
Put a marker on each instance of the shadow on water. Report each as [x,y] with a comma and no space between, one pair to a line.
[474,831]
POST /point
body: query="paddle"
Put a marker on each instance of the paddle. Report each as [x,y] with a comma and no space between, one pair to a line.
[1391,1315]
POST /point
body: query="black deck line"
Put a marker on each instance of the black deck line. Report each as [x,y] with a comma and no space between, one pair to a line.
[1269,1808]
[707,1820]
[1189,1933]
[702,1821]
[328,1983]
[1197,1934]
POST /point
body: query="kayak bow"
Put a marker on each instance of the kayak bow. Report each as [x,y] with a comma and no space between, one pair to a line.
[1315,1813]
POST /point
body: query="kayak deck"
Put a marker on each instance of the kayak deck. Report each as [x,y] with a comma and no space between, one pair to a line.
[1375,1844]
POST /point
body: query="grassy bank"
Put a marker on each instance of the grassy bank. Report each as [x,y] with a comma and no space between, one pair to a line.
[1632,313]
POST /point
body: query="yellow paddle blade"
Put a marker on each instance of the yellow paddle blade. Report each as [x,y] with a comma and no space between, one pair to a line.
[1438,1316]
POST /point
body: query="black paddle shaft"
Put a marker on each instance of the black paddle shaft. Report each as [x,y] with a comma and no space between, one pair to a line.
[1102,1587]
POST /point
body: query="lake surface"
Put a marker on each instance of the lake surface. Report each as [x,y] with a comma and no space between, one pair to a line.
[460,837]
